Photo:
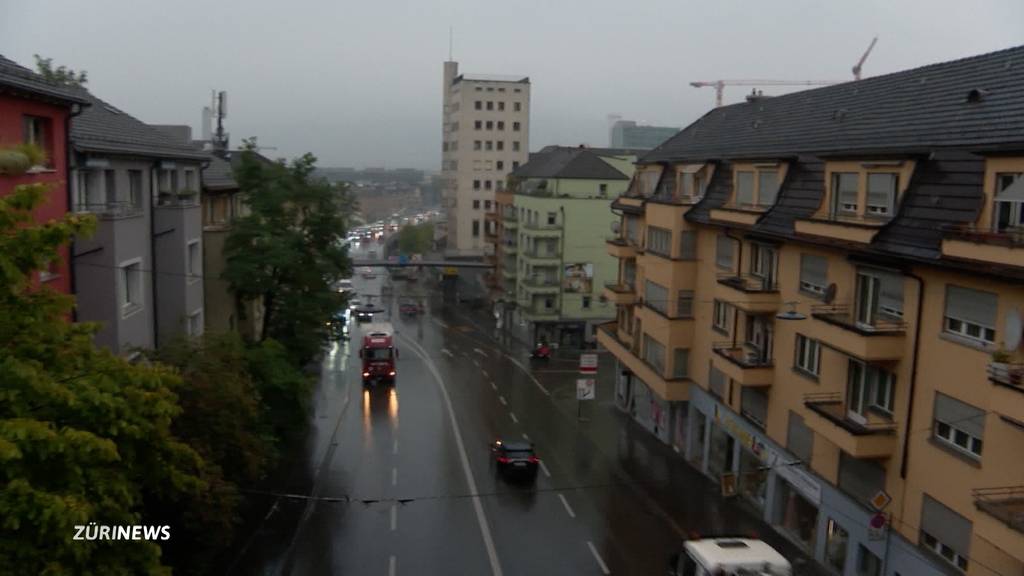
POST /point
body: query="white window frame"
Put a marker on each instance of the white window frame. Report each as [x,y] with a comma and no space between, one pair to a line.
[191,263]
[949,435]
[961,328]
[944,551]
[862,394]
[876,210]
[128,307]
[190,179]
[196,315]
[838,207]
[808,355]
[720,317]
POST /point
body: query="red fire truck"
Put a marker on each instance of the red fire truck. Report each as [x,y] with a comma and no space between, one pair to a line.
[378,353]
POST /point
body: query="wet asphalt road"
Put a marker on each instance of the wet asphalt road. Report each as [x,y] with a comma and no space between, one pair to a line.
[398,480]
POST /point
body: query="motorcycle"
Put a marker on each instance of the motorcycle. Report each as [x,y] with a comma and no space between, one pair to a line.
[541,352]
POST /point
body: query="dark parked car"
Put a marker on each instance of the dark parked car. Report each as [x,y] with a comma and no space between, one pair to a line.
[409,308]
[515,459]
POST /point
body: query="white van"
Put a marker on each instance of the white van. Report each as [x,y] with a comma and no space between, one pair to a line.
[729,557]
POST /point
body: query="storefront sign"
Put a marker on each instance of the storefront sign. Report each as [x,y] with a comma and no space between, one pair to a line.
[585,389]
[728,484]
[588,363]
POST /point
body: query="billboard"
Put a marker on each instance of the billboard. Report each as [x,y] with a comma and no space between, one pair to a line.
[578,278]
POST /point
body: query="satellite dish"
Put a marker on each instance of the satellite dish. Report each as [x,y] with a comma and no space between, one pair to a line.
[830,293]
[1014,327]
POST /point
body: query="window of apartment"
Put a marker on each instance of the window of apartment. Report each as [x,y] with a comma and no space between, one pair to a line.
[971,314]
[478,104]
[49,270]
[490,89]
[754,405]
[476,184]
[110,185]
[490,105]
[552,218]
[501,106]
[654,354]
[515,145]
[476,228]
[867,563]
[195,324]
[861,478]
[879,297]
[549,303]
[489,145]
[193,261]
[680,362]
[490,125]
[479,88]
[799,438]
[688,245]
[767,187]
[945,532]
[515,164]
[131,285]
[845,187]
[721,315]
[477,144]
[837,539]
[629,272]
[89,190]
[813,274]
[718,383]
[808,354]
[487,204]
[724,252]
[744,188]
[501,144]
[517,107]
[135,188]
[499,185]
[190,180]
[37,130]
[602,190]
[1009,202]
[476,204]
[958,425]
[659,241]
[501,125]
[168,180]
[586,302]
[881,195]
[487,184]
[516,126]
[500,165]
[656,297]
[684,304]
[478,125]
[763,264]
[868,387]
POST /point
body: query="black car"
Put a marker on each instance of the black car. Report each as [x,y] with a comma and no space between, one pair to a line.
[365,313]
[515,459]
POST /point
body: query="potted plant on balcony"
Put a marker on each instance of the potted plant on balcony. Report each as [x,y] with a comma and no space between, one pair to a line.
[999,367]
[21,158]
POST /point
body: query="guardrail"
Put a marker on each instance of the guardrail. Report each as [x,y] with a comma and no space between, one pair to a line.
[1005,373]
[843,314]
[116,209]
[747,282]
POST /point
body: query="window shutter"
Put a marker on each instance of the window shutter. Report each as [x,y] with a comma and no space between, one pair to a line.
[1012,193]
[723,255]
[717,381]
[972,305]
[814,269]
[680,363]
[882,190]
[846,185]
[767,186]
[946,525]
[800,439]
[961,415]
[688,244]
[656,297]
[860,478]
[891,291]
[754,403]
[744,188]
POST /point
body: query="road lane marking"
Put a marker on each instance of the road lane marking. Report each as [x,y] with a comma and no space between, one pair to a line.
[525,437]
[392,566]
[544,469]
[438,322]
[477,362]
[484,372]
[493,385]
[394,517]
[568,508]
[600,562]
[481,517]
[394,448]
[502,400]
[479,351]
[513,416]
[394,476]
[447,352]
[530,374]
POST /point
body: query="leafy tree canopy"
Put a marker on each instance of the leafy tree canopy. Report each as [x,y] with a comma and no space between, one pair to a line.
[61,74]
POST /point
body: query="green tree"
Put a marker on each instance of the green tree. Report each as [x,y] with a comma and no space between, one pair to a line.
[61,74]
[416,238]
[288,251]
[85,436]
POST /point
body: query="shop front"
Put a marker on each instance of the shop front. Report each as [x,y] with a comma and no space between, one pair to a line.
[649,409]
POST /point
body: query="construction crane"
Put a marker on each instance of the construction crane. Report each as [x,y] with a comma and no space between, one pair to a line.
[857,66]
[719,85]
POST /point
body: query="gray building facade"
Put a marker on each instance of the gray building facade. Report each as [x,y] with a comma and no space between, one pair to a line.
[629,134]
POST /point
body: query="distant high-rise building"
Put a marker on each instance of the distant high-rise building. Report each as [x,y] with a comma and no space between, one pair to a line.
[629,134]
[485,135]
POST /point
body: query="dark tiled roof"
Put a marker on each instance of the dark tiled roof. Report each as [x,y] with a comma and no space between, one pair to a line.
[924,107]
[105,129]
[16,77]
[800,197]
[569,162]
[218,175]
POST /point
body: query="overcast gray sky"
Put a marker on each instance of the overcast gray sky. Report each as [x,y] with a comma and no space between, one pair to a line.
[359,83]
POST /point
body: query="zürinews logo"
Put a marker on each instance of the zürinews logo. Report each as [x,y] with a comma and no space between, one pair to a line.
[93,531]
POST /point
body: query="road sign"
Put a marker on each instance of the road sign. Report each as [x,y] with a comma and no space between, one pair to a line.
[876,526]
[585,389]
[880,500]
[588,363]
[450,271]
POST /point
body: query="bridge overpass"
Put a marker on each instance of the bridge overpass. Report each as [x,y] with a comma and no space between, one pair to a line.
[360,263]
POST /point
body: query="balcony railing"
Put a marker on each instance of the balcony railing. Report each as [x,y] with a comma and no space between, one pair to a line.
[541,227]
[112,209]
[748,283]
[541,254]
[842,315]
[1006,504]
[742,356]
[1008,374]
[1008,237]
[832,407]
[535,281]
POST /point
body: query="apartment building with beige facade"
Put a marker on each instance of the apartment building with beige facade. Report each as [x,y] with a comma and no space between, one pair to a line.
[485,135]
[819,306]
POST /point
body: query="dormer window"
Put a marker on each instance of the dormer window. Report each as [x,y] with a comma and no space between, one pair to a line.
[844,197]
[1009,203]
[865,192]
[691,182]
[757,187]
[881,195]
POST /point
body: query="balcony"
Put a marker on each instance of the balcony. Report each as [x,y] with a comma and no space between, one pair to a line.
[837,327]
[541,257]
[749,293]
[830,418]
[736,216]
[490,237]
[537,312]
[672,389]
[854,230]
[509,248]
[620,294]
[490,216]
[743,364]
[111,209]
[1005,504]
[538,230]
[1008,392]
[969,243]
[619,247]
[541,285]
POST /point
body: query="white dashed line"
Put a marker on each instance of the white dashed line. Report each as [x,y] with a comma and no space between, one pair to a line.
[392,566]
[479,351]
[493,385]
[394,476]
[600,562]
[544,469]
[394,448]
[447,352]
[568,509]
[484,372]
[439,323]
[394,517]
[477,362]
[526,437]
[530,374]
[513,416]
[502,400]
